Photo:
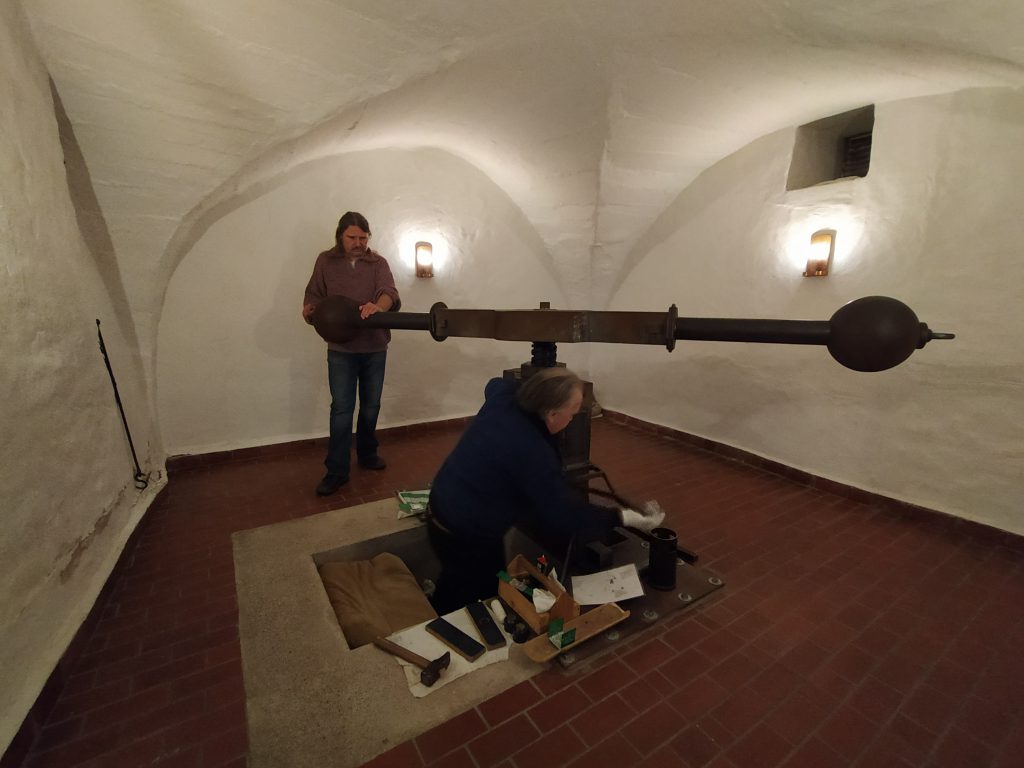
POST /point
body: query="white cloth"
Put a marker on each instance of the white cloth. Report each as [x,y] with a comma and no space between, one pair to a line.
[647,519]
[542,600]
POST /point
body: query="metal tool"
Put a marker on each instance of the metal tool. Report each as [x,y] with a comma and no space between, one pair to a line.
[430,671]
[873,333]
[141,479]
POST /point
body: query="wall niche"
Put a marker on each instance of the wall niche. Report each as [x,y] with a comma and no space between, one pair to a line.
[833,148]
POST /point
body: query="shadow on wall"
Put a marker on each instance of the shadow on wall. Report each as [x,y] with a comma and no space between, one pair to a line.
[777,403]
[473,362]
[91,223]
[730,178]
[274,330]
[708,382]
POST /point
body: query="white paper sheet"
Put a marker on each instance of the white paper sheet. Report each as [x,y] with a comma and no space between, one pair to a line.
[607,586]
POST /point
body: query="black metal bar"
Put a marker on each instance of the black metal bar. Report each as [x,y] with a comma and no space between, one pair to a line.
[402,321]
[761,331]
[624,327]
[141,481]
[872,333]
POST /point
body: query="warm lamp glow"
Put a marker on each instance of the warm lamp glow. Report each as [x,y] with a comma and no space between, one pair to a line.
[822,249]
[424,259]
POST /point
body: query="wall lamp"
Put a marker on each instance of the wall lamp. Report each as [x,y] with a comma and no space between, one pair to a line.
[823,248]
[424,259]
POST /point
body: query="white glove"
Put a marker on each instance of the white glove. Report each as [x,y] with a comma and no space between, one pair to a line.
[542,600]
[651,516]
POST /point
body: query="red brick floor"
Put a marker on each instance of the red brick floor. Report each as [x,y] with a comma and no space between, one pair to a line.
[848,633]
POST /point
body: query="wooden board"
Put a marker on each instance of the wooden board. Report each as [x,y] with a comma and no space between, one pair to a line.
[587,625]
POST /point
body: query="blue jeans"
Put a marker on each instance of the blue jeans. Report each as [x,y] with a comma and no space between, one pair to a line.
[347,372]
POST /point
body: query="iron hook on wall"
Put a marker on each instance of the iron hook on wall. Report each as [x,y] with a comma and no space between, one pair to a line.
[141,479]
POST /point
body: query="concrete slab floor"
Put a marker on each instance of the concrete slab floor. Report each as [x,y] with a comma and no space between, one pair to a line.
[310,699]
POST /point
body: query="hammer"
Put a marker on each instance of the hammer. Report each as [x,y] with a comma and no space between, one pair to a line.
[429,670]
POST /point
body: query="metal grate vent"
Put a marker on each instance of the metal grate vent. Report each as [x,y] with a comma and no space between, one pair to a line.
[856,155]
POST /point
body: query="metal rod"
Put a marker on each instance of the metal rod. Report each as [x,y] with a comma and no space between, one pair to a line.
[403,321]
[688,555]
[581,325]
[141,481]
[872,333]
[761,331]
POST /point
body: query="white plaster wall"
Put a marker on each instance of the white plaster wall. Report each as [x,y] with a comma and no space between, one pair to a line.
[237,366]
[937,224]
[65,467]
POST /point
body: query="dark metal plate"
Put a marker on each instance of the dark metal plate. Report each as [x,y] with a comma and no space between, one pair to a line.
[621,548]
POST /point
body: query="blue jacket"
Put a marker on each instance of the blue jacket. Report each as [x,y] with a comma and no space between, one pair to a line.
[505,470]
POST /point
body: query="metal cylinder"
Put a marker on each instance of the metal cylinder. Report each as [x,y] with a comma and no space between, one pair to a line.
[661,565]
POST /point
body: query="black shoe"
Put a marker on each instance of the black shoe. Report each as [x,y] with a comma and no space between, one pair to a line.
[330,484]
[372,462]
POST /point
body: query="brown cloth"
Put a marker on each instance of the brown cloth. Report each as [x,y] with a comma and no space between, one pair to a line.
[374,597]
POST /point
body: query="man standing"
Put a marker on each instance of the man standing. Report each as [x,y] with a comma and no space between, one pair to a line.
[353,270]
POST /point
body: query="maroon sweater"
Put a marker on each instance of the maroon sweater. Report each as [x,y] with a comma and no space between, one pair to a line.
[366,279]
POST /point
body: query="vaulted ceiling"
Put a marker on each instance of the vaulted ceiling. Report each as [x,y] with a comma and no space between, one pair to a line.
[592,115]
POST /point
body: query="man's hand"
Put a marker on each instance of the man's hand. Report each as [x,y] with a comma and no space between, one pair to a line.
[649,518]
[367,309]
[383,304]
[307,312]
